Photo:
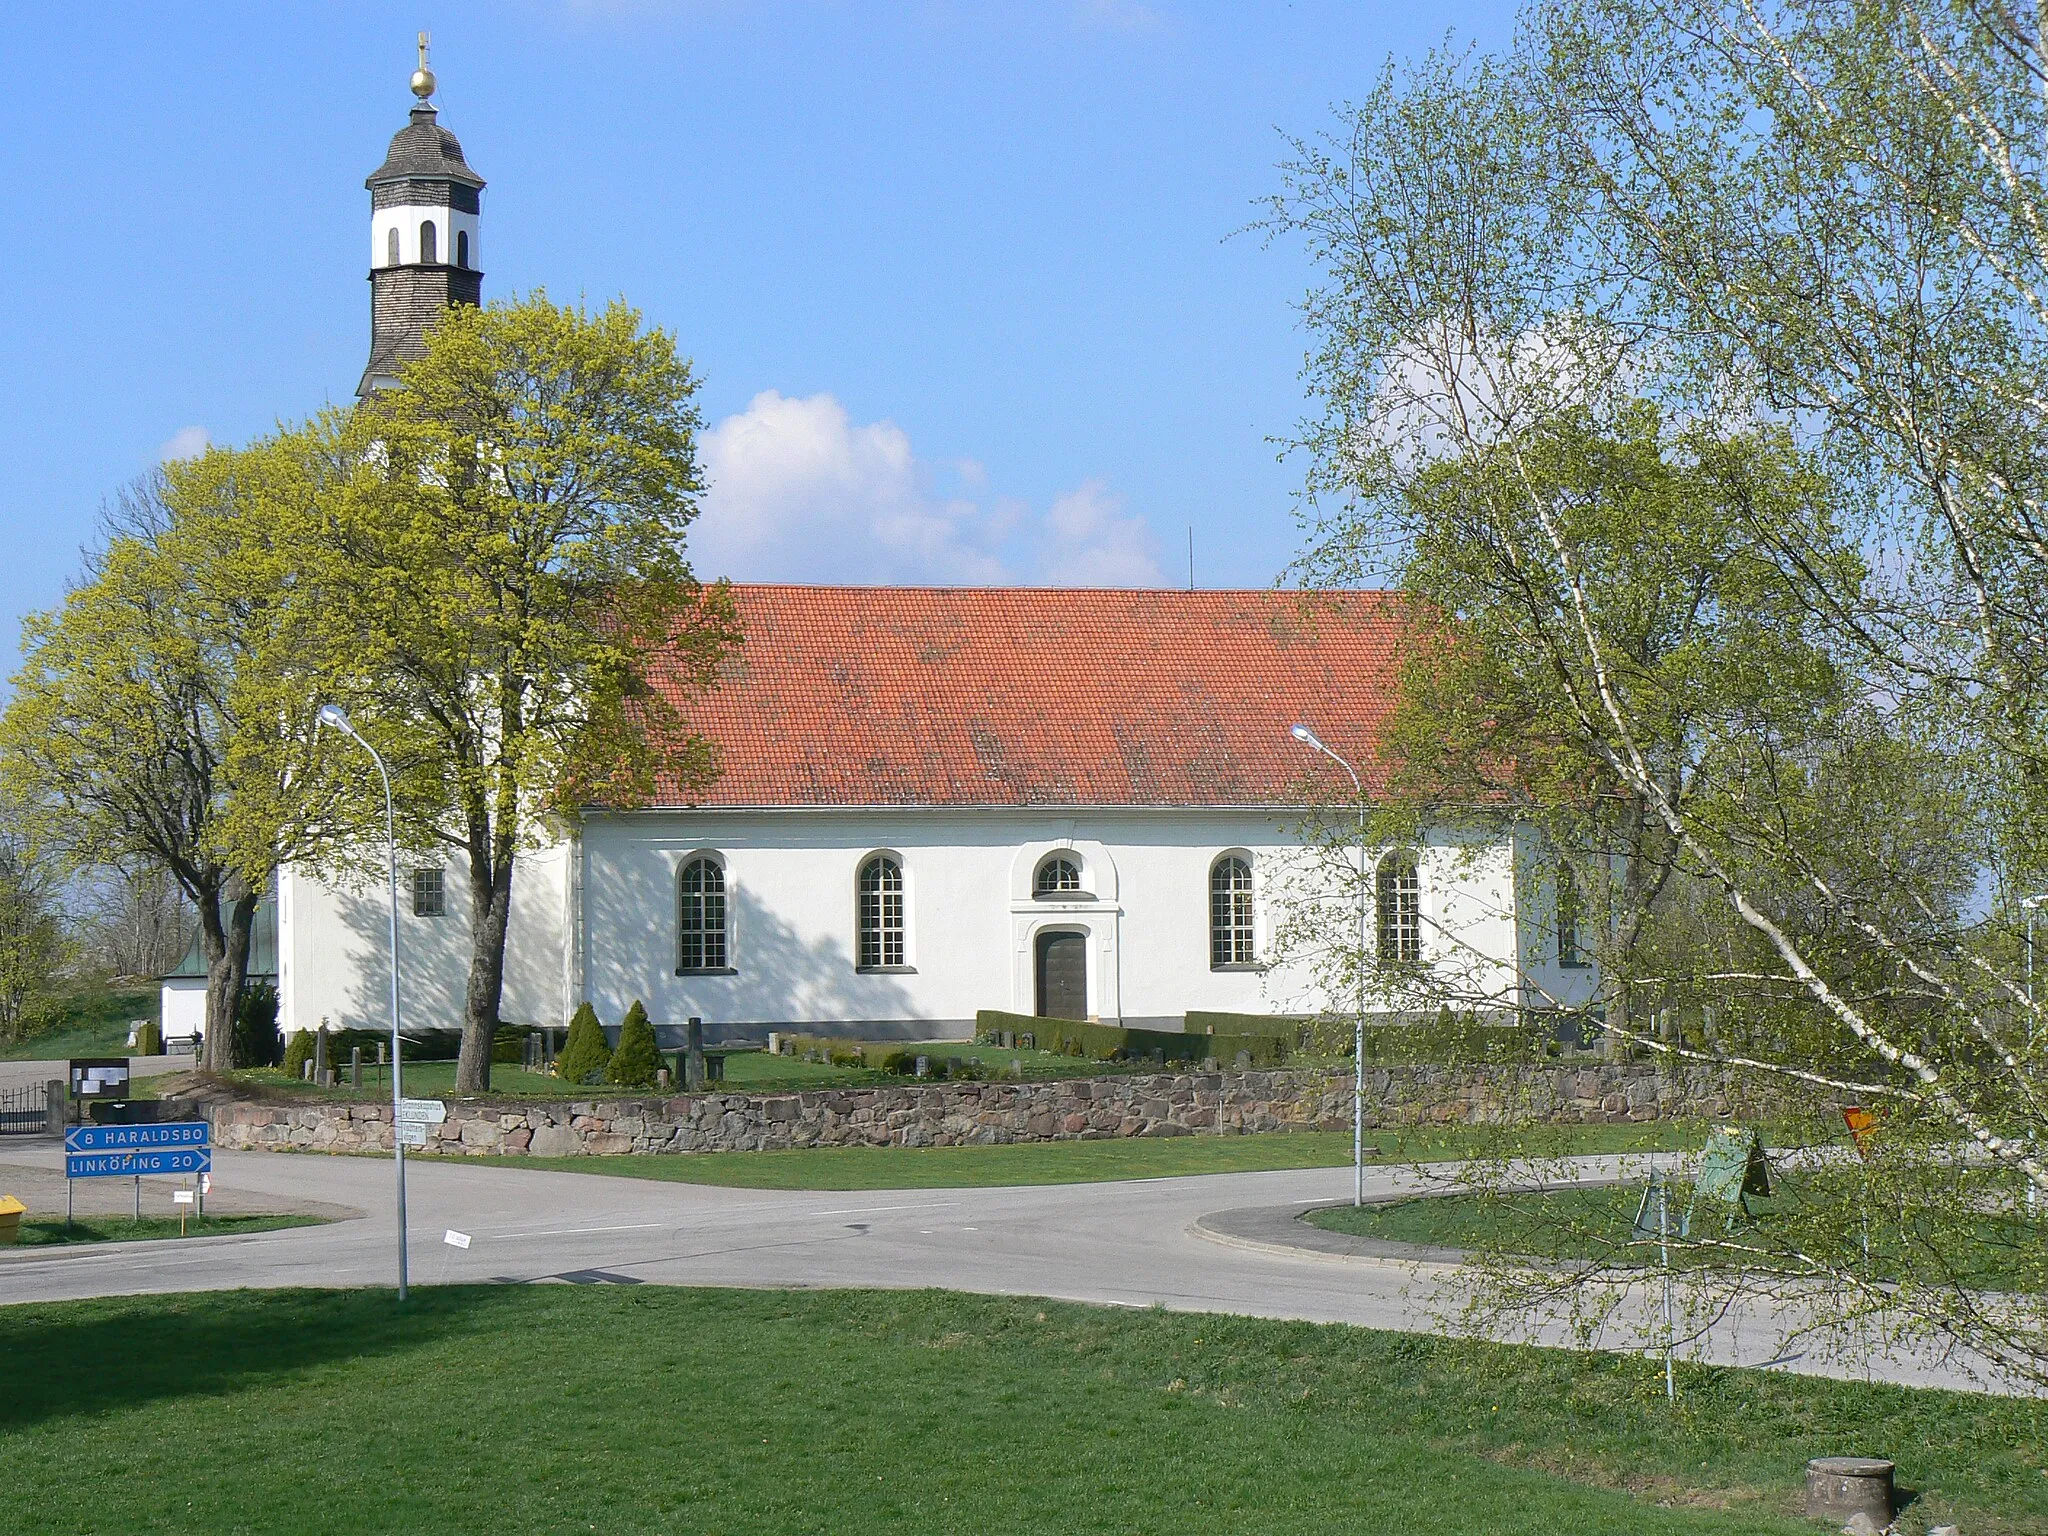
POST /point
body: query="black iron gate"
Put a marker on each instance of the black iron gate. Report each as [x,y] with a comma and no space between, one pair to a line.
[25,1111]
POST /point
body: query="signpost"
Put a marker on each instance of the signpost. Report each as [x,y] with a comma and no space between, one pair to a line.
[416,1117]
[130,1151]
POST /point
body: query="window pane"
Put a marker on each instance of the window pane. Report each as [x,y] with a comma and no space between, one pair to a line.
[700,916]
[881,913]
[1230,913]
[1398,888]
[429,894]
[1058,874]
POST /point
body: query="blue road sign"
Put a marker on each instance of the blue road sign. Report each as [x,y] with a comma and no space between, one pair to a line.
[123,1165]
[125,1151]
[135,1138]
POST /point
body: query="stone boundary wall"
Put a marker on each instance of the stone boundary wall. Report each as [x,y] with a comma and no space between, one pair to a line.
[955,1114]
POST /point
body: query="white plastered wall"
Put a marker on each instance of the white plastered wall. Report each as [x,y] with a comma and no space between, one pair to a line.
[972,917]
[333,940]
[407,218]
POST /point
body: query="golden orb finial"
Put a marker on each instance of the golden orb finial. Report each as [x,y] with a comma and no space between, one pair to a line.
[423,77]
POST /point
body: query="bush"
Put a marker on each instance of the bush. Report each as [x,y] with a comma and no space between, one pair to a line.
[149,1038]
[297,1053]
[637,1059]
[585,1054]
[255,1035]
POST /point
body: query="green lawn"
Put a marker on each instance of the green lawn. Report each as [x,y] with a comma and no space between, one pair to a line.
[1597,1223]
[43,1231]
[89,1023]
[1086,1162]
[645,1409]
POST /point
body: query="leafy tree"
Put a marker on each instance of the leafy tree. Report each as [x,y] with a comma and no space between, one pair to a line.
[507,552]
[637,1058]
[1799,241]
[32,941]
[586,1054]
[162,717]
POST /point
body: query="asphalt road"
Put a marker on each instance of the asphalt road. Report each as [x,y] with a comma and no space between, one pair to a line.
[1122,1244]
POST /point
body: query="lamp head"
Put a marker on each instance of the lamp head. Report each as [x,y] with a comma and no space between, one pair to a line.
[331,715]
[1305,736]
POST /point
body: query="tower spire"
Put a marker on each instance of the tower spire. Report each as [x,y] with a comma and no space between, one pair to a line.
[424,249]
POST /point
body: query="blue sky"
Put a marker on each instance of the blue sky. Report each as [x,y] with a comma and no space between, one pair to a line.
[958,278]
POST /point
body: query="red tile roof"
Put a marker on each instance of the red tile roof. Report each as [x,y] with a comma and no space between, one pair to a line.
[1009,696]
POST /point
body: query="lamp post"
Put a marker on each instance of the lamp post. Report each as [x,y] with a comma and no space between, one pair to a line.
[331,715]
[2032,904]
[1308,738]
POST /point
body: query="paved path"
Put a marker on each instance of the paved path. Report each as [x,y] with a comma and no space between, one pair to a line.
[1124,1244]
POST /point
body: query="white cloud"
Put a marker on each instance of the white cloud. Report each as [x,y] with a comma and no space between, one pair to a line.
[1092,543]
[185,443]
[798,491]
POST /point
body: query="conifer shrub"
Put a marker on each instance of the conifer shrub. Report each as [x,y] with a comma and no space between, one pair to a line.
[149,1038]
[297,1052]
[586,1053]
[256,1026]
[637,1059]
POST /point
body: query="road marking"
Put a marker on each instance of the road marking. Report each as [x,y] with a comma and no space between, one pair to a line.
[636,1226]
[869,1210]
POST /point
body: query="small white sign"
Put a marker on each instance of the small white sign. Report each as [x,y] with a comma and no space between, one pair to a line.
[412,1133]
[455,1239]
[181,1197]
[422,1111]
[206,1183]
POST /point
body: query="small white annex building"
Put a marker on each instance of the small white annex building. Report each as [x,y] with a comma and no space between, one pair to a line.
[1077,804]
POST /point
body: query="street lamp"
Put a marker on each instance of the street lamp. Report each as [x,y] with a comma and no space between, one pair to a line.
[1308,738]
[331,716]
[2032,904]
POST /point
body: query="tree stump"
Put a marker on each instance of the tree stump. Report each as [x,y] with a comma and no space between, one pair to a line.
[1840,1487]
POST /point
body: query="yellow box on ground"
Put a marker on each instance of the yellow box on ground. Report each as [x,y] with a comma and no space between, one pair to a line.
[11,1212]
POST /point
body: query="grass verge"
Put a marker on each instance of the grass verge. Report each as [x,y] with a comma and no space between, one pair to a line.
[672,1410]
[44,1232]
[1598,1223]
[1088,1162]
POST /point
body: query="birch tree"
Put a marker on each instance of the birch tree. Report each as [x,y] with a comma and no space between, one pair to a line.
[1817,224]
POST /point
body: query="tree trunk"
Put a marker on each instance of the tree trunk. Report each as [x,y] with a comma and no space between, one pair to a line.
[490,911]
[225,943]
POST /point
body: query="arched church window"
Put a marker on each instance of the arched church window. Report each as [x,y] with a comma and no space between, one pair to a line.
[1058,876]
[1398,887]
[429,252]
[462,248]
[700,916]
[881,914]
[1231,930]
[391,246]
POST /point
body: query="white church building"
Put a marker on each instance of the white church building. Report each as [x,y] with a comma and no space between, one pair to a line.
[1073,803]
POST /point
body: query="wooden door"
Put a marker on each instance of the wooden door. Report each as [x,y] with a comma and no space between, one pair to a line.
[1063,976]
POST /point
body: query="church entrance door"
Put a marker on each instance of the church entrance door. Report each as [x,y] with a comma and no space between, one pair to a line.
[1063,976]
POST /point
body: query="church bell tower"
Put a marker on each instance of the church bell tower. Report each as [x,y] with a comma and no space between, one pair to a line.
[424,253]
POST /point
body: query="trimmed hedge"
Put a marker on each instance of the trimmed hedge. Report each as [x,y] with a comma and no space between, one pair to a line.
[149,1038]
[1106,1042]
